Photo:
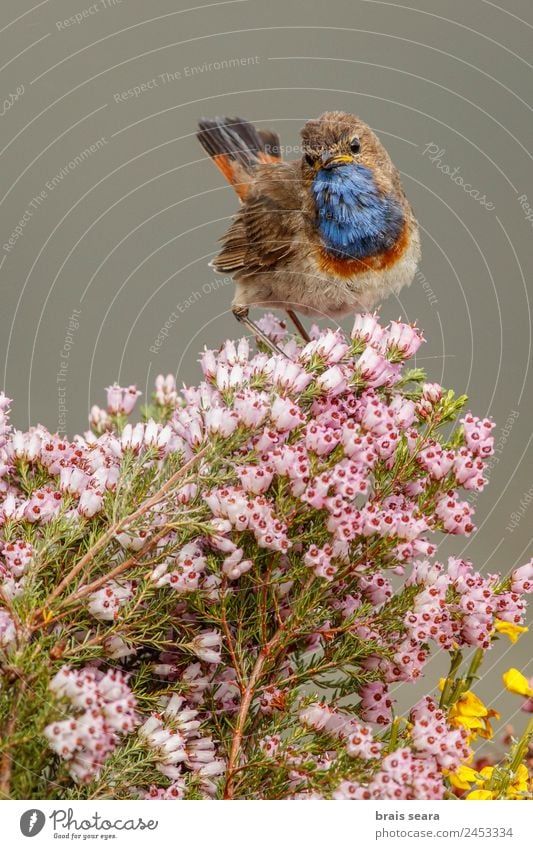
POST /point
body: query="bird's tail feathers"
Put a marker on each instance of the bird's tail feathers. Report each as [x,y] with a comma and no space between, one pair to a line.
[237,147]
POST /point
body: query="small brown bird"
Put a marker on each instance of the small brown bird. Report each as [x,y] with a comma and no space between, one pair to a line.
[329,234]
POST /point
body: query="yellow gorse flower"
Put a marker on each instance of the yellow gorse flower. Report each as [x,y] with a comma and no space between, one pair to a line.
[517,683]
[510,629]
[515,790]
[470,713]
[463,777]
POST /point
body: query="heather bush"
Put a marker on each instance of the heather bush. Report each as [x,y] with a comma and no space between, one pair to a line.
[220,600]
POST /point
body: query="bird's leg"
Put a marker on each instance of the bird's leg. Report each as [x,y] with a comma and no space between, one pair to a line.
[241,314]
[298,325]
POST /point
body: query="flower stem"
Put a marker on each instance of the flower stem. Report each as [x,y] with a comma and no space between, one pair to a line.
[119,526]
[248,695]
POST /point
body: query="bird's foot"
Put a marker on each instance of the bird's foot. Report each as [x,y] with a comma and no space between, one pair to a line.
[298,325]
[241,314]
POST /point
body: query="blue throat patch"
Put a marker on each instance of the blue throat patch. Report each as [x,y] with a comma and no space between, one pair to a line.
[354,220]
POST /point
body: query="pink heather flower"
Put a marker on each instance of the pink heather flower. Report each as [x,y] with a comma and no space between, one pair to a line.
[168,742]
[156,435]
[376,588]
[115,648]
[367,329]
[431,735]
[17,556]
[455,515]
[269,745]
[256,479]
[403,411]
[314,478]
[221,421]
[468,470]
[320,561]
[288,375]
[207,646]
[432,392]
[405,339]
[7,631]
[120,400]
[403,775]
[376,705]
[234,566]
[330,347]
[175,790]
[375,370]
[106,602]
[251,408]
[99,419]
[435,461]
[166,394]
[24,446]
[274,327]
[189,568]
[285,414]
[90,503]
[522,579]
[43,505]
[316,716]
[477,433]
[361,743]
[208,363]
[87,739]
[333,380]
[272,699]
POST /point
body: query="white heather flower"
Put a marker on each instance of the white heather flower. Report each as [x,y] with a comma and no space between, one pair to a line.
[207,646]
[99,419]
[332,380]
[367,329]
[165,390]
[132,437]
[90,503]
[105,603]
[220,420]
[7,630]
[115,647]
[405,338]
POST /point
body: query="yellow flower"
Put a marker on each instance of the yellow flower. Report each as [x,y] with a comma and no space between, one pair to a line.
[463,777]
[520,783]
[517,683]
[510,629]
[481,794]
[515,790]
[470,713]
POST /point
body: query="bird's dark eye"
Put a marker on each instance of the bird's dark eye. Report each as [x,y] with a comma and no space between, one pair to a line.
[310,159]
[355,145]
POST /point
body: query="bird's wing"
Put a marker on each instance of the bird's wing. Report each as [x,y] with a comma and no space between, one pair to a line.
[266,228]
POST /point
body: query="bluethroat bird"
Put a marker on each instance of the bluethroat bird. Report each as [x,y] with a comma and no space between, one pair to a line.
[328,234]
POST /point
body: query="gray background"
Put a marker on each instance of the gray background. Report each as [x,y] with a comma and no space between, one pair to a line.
[126,235]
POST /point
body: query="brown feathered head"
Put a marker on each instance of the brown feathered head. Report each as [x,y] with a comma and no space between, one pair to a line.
[337,138]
